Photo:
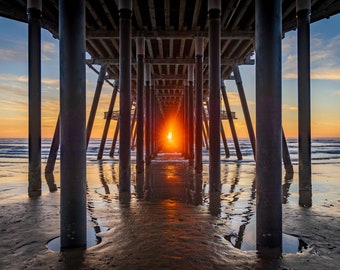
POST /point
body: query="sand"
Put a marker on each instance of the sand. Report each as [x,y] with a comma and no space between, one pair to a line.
[165,228]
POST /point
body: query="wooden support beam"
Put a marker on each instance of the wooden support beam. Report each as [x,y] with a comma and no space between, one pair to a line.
[169,34]
[171,61]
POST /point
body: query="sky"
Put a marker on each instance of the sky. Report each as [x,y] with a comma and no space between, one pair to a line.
[325,83]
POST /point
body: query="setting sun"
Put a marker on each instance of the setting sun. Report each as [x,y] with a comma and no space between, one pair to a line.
[170,135]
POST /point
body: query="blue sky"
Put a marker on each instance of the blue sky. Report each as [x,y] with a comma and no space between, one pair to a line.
[325,83]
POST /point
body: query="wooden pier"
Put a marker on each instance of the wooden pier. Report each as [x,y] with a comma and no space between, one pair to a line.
[167,61]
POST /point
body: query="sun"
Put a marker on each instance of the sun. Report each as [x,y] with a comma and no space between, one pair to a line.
[169,136]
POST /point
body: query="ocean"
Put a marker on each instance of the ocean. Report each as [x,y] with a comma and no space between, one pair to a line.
[14,153]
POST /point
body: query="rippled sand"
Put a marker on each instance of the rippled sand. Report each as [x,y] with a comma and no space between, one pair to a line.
[170,222]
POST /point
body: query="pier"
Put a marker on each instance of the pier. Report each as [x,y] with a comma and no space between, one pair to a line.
[167,63]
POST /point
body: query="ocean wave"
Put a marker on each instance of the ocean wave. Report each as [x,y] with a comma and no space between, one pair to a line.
[16,150]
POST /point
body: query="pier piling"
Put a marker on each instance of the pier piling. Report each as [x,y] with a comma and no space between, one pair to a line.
[52,156]
[107,121]
[73,124]
[199,50]
[140,41]
[304,114]
[231,122]
[114,140]
[268,127]
[247,118]
[34,97]
[214,12]
[147,114]
[125,21]
[99,87]
[191,114]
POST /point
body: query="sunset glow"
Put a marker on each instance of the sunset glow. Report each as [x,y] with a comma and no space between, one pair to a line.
[169,136]
[325,91]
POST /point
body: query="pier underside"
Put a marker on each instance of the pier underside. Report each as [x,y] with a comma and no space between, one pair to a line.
[167,62]
[169,28]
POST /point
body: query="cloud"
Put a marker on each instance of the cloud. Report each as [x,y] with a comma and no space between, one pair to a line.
[12,86]
[6,54]
[52,82]
[48,47]
[7,77]
[325,73]
[48,51]
[325,57]
[11,78]
[289,107]
[23,79]
[16,91]
[289,56]
[13,50]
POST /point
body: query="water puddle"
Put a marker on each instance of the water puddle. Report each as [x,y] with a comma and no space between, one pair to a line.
[247,241]
[92,238]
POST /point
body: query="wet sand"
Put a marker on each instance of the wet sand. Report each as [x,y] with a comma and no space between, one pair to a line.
[167,225]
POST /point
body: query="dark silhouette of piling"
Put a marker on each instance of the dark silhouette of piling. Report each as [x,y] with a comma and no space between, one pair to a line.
[199,50]
[98,90]
[114,140]
[268,127]
[191,114]
[125,21]
[238,81]
[140,41]
[107,121]
[34,97]
[52,156]
[214,21]
[147,114]
[231,122]
[304,114]
[73,124]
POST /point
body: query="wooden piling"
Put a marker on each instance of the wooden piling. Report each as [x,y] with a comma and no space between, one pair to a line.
[73,124]
[140,41]
[214,21]
[239,84]
[268,17]
[34,15]
[107,121]
[199,50]
[97,92]
[147,115]
[52,156]
[304,109]
[125,22]
[231,122]
[114,140]
[191,114]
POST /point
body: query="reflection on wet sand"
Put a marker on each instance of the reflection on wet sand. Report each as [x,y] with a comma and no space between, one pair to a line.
[241,210]
[170,177]
[285,187]
[247,217]
[160,205]
[102,177]
[168,180]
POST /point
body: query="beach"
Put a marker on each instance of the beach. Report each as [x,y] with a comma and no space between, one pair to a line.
[167,224]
